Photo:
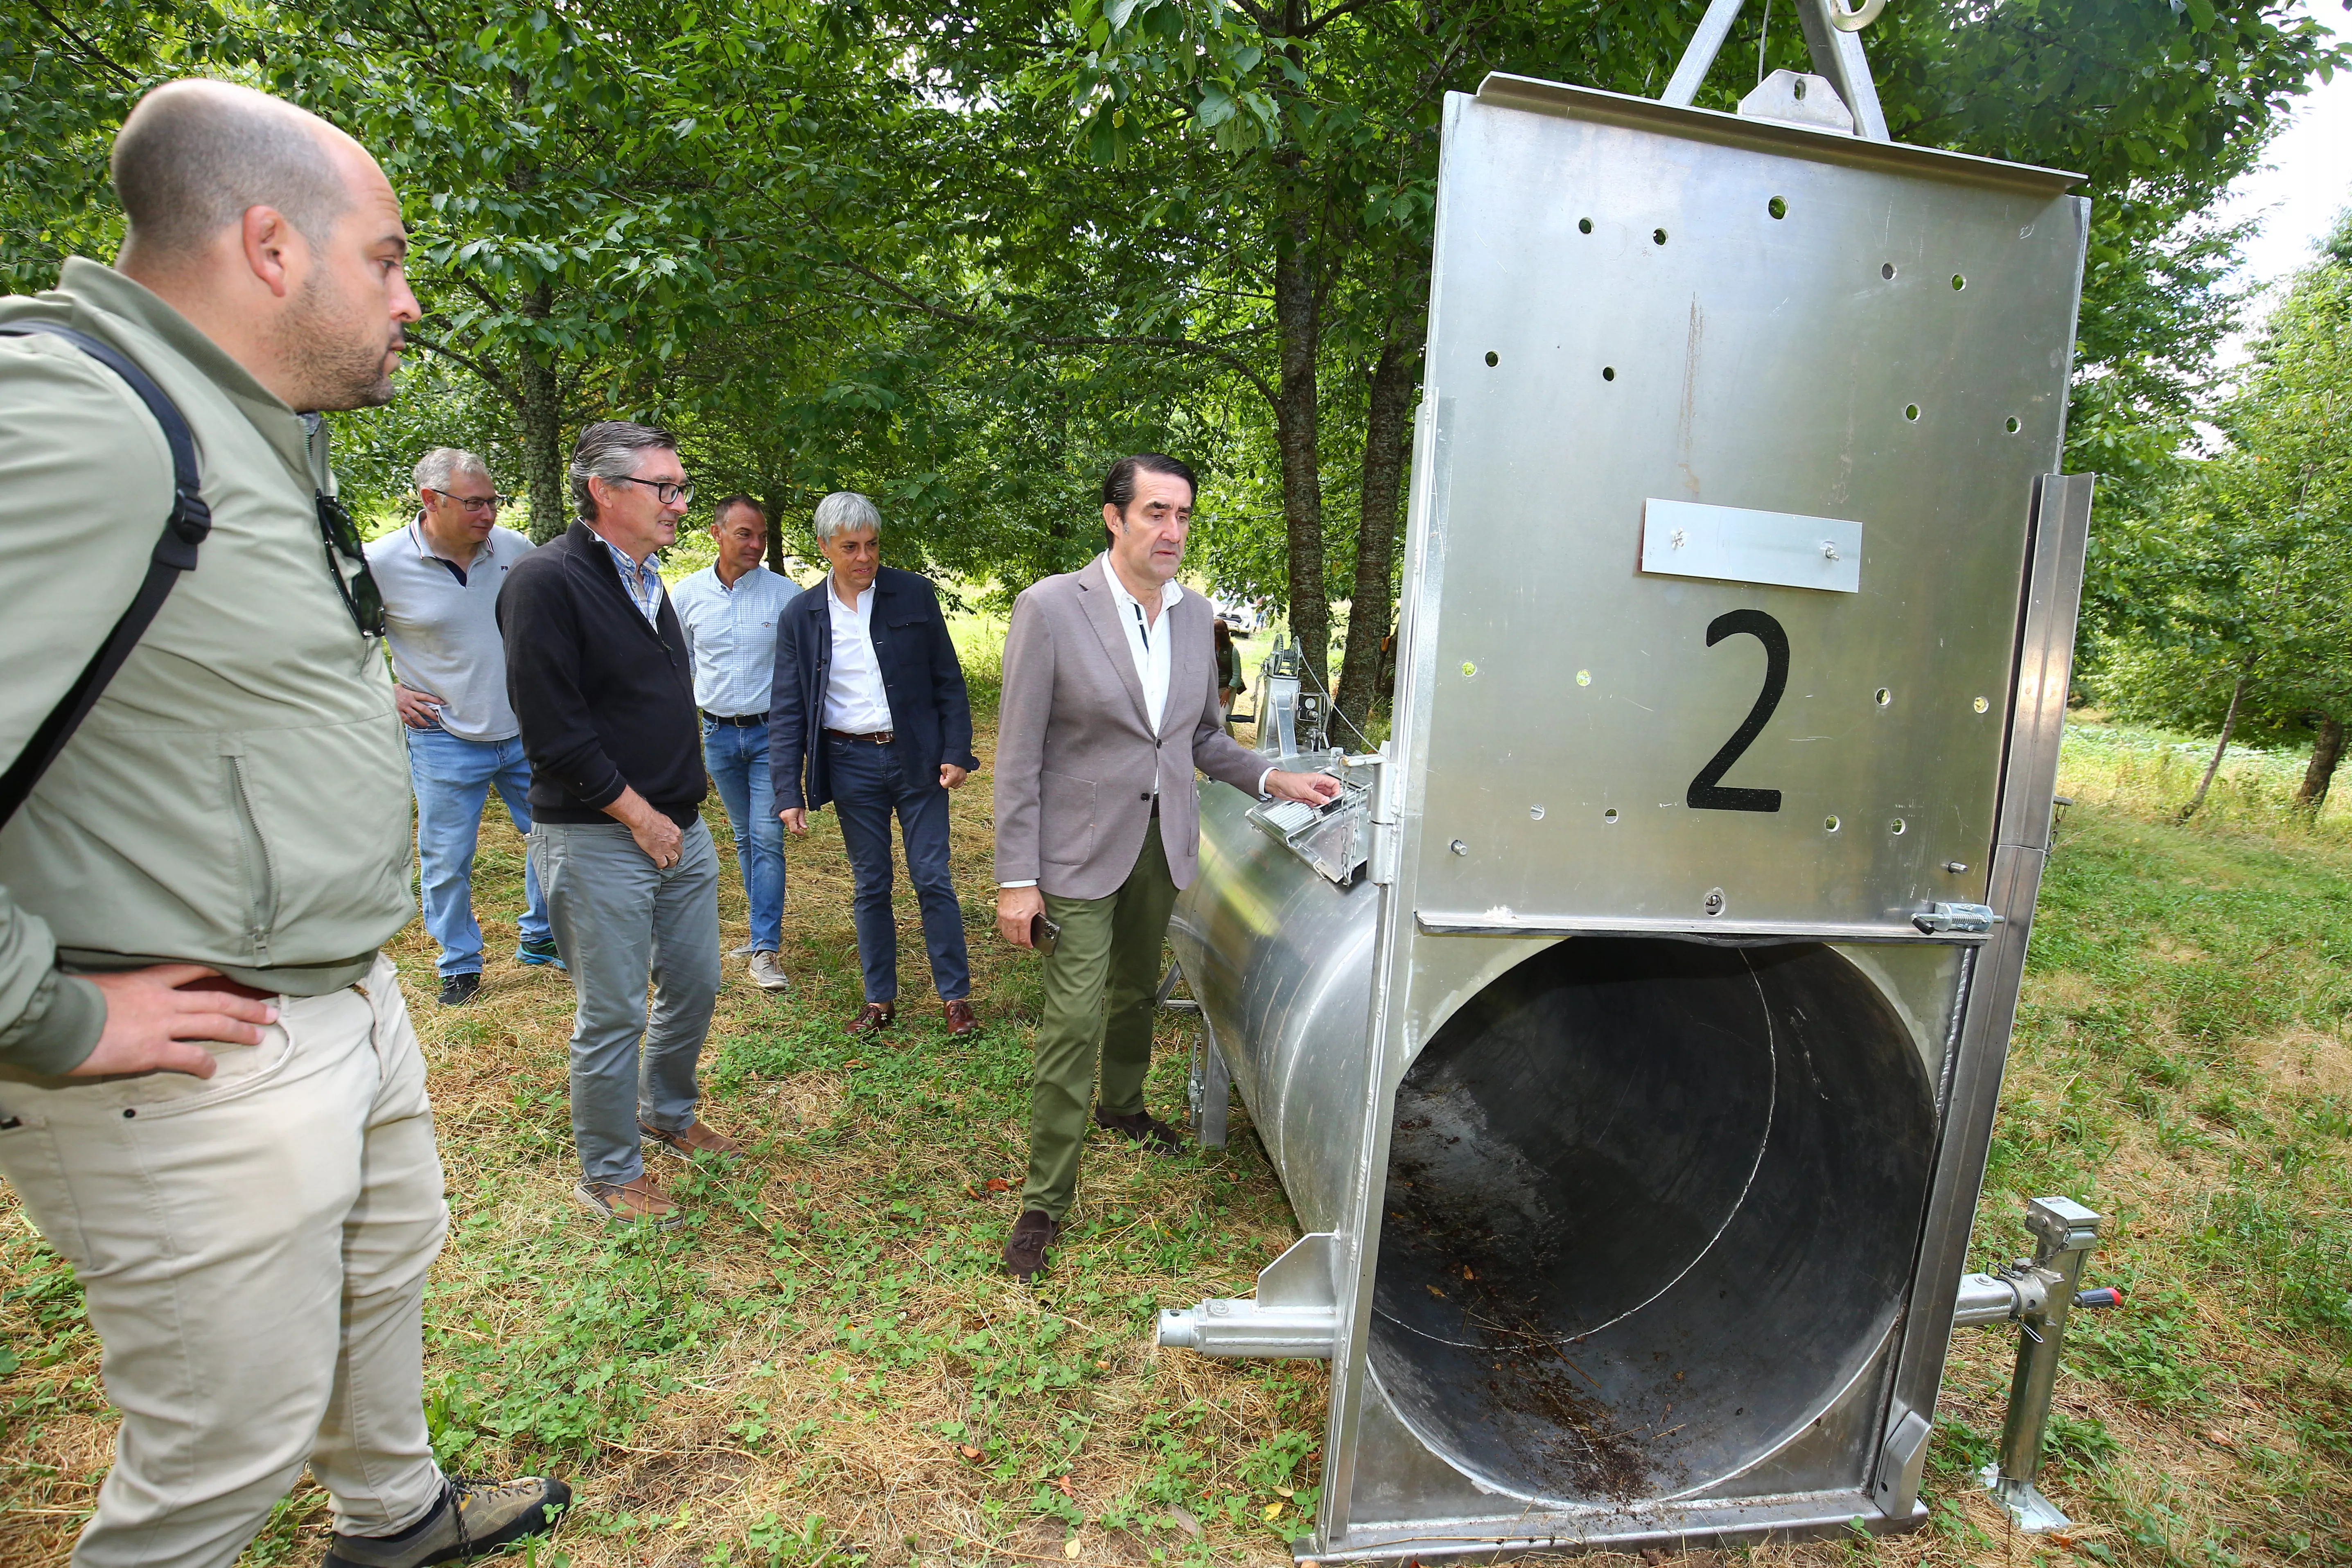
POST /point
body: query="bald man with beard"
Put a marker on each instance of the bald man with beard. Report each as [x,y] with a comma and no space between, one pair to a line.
[212,1102]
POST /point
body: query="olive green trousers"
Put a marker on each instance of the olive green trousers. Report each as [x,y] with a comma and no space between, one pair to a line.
[1101,983]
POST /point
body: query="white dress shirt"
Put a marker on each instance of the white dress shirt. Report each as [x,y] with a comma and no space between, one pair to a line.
[731,633]
[855,699]
[1150,644]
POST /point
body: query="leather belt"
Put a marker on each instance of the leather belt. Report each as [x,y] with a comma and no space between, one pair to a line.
[223,982]
[740,720]
[879,737]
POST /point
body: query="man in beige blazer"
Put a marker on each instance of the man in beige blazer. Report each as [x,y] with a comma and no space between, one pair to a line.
[1109,704]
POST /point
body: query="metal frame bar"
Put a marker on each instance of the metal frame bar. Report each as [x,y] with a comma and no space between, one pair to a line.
[2062,522]
[1837,57]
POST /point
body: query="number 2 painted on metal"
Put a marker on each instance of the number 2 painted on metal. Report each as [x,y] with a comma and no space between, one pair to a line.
[1706,794]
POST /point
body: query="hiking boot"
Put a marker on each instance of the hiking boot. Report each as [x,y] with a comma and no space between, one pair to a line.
[457,989]
[873,1017]
[538,951]
[638,1202]
[1140,1128]
[767,974]
[1025,1250]
[962,1019]
[472,1518]
[695,1138]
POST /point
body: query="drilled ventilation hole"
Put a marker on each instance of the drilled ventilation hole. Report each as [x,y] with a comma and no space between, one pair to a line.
[1828,824]
[1492,358]
[1777,206]
[1609,815]
[1657,237]
[1584,225]
[1958,282]
[1608,372]
[1896,826]
[1883,697]
[1910,411]
[2012,425]
[1981,705]
[1886,270]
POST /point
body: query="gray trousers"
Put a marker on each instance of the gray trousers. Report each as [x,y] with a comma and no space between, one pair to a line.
[620,922]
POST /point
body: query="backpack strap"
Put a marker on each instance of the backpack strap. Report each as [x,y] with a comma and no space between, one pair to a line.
[174,552]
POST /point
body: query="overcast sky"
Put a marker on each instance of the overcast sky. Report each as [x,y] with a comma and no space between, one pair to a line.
[2308,181]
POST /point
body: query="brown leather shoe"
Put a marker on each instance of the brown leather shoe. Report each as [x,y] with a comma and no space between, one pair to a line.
[638,1202]
[696,1138]
[873,1017]
[1140,1128]
[962,1019]
[1025,1250]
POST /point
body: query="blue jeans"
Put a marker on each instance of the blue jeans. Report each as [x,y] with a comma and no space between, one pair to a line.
[453,779]
[737,758]
[868,784]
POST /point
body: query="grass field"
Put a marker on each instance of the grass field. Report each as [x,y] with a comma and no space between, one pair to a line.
[823,1368]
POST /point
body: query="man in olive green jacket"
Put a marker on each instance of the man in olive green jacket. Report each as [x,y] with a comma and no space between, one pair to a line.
[211,1099]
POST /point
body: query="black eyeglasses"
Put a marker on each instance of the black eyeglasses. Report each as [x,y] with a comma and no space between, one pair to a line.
[475,503]
[361,595]
[670,492]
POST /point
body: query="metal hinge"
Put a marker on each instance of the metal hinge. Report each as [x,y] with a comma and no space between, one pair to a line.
[1942,918]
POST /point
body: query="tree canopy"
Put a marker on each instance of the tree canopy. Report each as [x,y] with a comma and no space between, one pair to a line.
[961,259]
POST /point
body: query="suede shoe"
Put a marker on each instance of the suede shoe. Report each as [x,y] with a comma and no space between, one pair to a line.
[1025,1250]
[1141,1128]
[767,974]
[873,1017]
[962,1019]
[539,953]
[457,989]
[472,1518]
[695,1138]
[640,1202]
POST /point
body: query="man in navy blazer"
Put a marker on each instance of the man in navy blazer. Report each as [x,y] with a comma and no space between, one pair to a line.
[869,713]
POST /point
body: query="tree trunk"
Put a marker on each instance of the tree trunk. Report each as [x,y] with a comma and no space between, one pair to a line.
[1298,327]
[2229,722]
[542,432]
[772,496]
[2326,750]
[1387,411]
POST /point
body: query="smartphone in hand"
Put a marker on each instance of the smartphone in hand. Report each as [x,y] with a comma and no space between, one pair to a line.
[1043,933]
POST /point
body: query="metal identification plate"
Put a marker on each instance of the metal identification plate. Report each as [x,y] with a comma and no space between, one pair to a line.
[1689,539]
[1834,368]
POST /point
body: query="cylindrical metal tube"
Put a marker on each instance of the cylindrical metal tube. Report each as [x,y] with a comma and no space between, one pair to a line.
[1648,1205]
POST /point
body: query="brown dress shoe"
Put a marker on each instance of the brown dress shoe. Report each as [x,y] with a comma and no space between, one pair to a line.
[962,1019]
[1025,1250]
[1141,1128]
[872,1018]
[697,1138]
[638,1202]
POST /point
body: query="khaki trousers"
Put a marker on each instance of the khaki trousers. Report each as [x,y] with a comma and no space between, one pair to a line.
[1101,981]
[253,1249]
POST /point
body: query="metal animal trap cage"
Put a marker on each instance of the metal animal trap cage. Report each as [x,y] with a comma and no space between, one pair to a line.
[1628,1036]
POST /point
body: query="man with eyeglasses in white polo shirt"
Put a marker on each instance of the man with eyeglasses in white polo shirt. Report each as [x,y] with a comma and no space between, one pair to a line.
[440,577]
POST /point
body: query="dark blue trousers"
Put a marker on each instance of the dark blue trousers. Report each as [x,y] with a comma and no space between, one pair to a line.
[868,784]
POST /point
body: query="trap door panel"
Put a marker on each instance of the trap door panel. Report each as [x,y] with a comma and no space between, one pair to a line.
[1736,426]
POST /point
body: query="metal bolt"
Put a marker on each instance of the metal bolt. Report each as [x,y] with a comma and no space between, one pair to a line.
[1679,538]
[1535,812]
[1712,902]
[1220,1308]
[1829,550]
[1954,866]
[1459,847]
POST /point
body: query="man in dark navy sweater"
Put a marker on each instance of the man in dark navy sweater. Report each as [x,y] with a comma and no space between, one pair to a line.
[598,675]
